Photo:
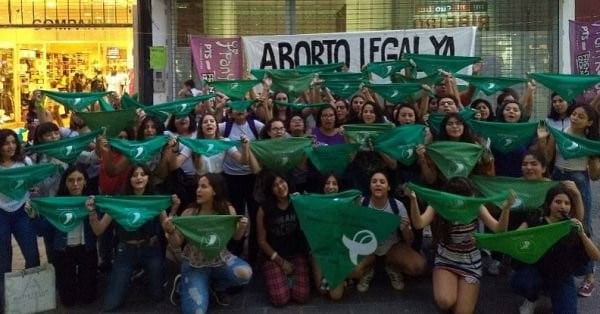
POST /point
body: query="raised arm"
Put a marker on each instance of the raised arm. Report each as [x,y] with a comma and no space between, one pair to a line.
[501,224]
[418,220]
[98,225]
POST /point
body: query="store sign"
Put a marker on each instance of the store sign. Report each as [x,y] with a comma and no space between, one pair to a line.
[355,49]
[217,58]
[113,53]
[455,14]
[585,51]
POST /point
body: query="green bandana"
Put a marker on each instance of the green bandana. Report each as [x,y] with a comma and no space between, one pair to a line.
[113,121]
[568,86]
[361,133]
[454,159]
[139,152]
[105,105]
[64,212]
[398,92]
[280,154]
[128,102]
[400,143]
[132,212]
[342,76]
[341,234]
[331,158]
[179,108]
[436,118]
[15,182]
[571,146]
[209,233]
[240,105]
[320,68]
[236,90]
[74,101]
[323,201]
[430,80]
[386,68]
[291,83]
[297,106]
[66,150]
[505,137]
[527,245]
[207,147]
[490,84]
[343,89]
[452,207]
[530,193]
[430,64]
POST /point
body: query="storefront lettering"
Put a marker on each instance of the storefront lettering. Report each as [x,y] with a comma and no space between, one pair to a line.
[482,22]
[58,23]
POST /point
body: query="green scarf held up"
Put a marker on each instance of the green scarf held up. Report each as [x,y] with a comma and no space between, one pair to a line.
[66,150]
[571,146]
[324,200]
[429,80]
[15,182]
[384,69]
[74,101]
[280,154]
[454,159]
[490,84]
[179,108]
[398,92]
[139,152]
[341,234]
[343,89]
[400,143]
[113,122]
[320,68]
[297,106]
[105,105]
[132,212]
[430,64]
[342,76]
[207,147]
[436,118]
[128,102]
[209,233]
[292,83]
[568,86]
[331,158]
[452,207]
[362,133]
[530,193]
[506,137]
[234,89]
[63,212]
[526,245]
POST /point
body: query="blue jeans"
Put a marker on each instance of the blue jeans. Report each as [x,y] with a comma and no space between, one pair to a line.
[126,257]
[527,282]
[196,282]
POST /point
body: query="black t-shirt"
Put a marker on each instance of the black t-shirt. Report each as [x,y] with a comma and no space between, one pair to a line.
[284,233]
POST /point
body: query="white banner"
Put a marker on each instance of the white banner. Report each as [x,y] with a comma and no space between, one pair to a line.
[354,49]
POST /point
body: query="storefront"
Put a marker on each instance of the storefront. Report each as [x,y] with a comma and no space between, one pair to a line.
[45,44]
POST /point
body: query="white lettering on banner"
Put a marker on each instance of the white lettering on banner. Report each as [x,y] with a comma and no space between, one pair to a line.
[355,49]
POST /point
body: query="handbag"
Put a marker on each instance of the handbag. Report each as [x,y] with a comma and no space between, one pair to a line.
[31,290]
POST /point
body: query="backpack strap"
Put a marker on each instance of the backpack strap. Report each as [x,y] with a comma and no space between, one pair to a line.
[365,201]
[252,126]
[394,206]
[228,126]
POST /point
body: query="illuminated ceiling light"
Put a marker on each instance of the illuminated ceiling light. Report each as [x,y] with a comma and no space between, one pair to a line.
[51,4]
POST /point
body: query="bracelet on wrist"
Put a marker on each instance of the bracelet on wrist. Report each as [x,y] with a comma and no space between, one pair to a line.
[274,256]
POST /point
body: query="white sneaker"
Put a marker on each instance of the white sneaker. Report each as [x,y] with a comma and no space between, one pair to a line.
[396,279]
[528,307]
[365,281]
[493,267]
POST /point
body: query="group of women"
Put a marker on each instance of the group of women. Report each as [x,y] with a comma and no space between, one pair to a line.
[235,182]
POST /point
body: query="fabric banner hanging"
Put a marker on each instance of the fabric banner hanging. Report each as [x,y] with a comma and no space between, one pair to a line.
[217,58]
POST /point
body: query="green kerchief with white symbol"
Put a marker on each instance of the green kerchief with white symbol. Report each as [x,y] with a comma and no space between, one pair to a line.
[436,118]
[209,233]
[63,212]
[66,150]
[571,146]
[320,68]
[179,108]
[74,101]
[361,133]
[526,245]
[331,158]
[292,83]
[386,68]
[454,159]
[207,147]
[132,212]
[491,84]
[15,182]
[280,154]
[430,64]
[506,137]
[568,86]
[455,208]
[298,106]
[398,92]
[400,143]
[343,89]
[139,152]
[235,89]
[530,193]
[340,233]
[111,122]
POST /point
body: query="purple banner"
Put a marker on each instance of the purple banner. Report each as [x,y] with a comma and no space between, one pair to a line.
[217,58]
[585,51]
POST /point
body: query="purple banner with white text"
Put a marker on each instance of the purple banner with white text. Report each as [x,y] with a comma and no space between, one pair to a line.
[585,51]
[217,58]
